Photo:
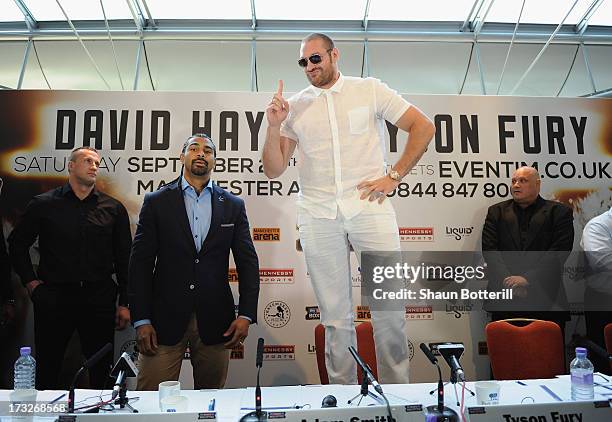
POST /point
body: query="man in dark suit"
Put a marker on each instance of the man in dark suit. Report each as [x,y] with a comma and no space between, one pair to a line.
[525,241]
[178,274]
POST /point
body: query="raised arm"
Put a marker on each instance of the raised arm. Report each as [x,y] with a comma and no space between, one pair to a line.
[278,149]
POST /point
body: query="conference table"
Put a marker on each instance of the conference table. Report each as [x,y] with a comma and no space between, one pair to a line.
[548,397]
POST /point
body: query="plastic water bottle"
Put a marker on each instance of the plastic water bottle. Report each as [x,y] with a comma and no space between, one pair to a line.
[581,370]
[25,370]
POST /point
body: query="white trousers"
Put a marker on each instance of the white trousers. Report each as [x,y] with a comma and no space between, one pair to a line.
[325,243]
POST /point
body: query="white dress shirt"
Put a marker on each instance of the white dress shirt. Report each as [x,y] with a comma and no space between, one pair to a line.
[597,244]
[340,141]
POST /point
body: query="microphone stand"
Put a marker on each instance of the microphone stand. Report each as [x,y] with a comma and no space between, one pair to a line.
[72,388]
[258,415]
[365,391]
[453,380]
[368,376]
[442,413]
[123,400]
[87,365]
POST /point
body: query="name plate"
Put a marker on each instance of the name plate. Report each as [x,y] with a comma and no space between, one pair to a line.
[578,411]
[400,413]
[140,417]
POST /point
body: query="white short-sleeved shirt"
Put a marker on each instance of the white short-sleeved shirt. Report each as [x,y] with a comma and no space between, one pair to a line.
[340,141]
[597,243]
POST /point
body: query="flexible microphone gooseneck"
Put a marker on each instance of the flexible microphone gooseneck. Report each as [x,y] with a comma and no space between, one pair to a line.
[87,365]
[258,415]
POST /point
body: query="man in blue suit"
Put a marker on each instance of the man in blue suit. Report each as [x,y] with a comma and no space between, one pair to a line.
[178,274]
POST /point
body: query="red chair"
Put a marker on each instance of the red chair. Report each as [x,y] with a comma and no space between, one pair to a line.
[531,351]
[365,348]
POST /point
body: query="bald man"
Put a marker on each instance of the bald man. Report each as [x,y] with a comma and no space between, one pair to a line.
[541,233]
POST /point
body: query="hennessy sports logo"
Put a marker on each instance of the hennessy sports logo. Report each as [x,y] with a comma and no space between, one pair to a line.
[266,234]
[419,313]
[416,234]
[276,275]
[266,275]
[279,352]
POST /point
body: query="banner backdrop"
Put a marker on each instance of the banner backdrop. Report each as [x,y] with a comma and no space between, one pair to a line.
[440,205]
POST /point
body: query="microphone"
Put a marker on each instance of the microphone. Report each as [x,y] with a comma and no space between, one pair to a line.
[456,366]
[258,414]
[123,369]
[595,348]
[440,411]
[258,364]
[451,352]
[366,370]
[428,353]
[89,363]
[97,356]
[259,356]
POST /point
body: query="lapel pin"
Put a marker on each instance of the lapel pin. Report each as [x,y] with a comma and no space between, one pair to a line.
[221,198]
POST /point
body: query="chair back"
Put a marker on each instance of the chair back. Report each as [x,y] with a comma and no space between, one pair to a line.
[531,351]
[365,348]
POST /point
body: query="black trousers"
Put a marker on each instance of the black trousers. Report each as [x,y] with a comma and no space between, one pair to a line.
[598,313]
[595,322]
[59,310]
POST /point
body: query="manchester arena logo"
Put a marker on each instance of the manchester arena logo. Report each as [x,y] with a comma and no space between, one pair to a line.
[277,314]
[363,313]
[416,234]
[312,313]
[419,313]
[276,275]
[266,234]
[279,352]
[458,233]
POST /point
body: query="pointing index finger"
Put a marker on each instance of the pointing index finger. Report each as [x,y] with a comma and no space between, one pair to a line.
[279,91]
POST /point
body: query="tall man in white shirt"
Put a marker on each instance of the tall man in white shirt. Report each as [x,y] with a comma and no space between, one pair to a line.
[337,123]
[597,244]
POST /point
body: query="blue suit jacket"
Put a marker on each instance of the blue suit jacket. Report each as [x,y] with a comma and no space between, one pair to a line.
[169,279]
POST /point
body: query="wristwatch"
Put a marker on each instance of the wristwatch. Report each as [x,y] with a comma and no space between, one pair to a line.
[394,174]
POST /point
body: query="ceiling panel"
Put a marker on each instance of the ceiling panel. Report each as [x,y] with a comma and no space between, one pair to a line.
[538,11]
[313,9]
[430,10]
[10,12]
[189,9]
[48,10]
[603,14]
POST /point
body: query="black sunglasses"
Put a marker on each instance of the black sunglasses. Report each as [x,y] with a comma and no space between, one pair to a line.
[314,59]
